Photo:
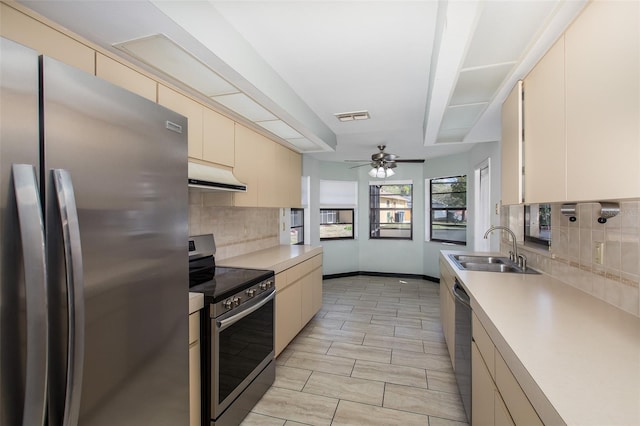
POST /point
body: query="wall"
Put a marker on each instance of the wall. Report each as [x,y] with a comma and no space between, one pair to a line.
[571,257]
[237,230]
[392,256]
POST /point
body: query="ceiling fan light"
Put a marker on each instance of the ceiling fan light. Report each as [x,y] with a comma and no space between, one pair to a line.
[373,172]
[381,173]
[390,173]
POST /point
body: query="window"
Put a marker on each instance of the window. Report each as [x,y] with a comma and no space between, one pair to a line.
[390,208]
[537,224]
[449,209]
[338,203]
[297,226]
[336,224]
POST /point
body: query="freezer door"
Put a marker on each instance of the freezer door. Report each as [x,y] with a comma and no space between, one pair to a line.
[22,293]
[126,161]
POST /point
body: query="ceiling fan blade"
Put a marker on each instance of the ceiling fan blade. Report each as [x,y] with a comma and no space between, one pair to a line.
[410,160]
[357,161]
[355,167]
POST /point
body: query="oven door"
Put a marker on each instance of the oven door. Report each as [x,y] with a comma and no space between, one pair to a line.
[242,345]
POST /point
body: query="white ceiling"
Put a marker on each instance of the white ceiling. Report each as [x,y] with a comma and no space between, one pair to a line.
[432,74]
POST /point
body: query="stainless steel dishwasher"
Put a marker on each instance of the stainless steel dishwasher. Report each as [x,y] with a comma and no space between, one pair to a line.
[463,346]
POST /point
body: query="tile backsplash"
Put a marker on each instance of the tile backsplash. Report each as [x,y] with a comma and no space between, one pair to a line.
[237,230]
[571,258]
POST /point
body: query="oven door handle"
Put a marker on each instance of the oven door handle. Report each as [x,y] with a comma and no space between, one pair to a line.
[228,322]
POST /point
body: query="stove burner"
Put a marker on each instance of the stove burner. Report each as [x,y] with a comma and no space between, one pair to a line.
[226,288]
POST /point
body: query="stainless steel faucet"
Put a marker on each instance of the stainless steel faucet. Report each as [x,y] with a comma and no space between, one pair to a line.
[513,255]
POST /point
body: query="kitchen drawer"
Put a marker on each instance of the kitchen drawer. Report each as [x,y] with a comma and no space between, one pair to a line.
[194,327]
[485,345]
[519,407]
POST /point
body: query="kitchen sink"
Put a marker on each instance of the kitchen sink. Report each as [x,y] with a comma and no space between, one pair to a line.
[480,259]
[488,264]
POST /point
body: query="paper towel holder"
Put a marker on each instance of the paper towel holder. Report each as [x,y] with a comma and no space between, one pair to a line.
[607,211]
[569,210]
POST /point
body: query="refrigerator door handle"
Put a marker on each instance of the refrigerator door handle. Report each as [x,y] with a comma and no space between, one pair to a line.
[35,278]
[75,290]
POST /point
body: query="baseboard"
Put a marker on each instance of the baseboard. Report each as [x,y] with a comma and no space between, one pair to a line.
[381,274]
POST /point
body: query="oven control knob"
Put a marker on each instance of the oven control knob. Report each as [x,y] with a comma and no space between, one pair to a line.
[251,292]
[228,304]
[236,301]
[269,284]
[263,286]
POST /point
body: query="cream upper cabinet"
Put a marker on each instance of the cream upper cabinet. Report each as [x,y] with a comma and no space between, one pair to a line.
[603,102]
[249,164]
[189,108]
[271,171]
[125,77]
[545,152]
[294,180]
[511,147]
[218,145]
[46,40]
[582,109]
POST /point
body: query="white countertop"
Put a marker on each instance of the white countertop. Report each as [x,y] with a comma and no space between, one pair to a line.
[276,259]
[576,357]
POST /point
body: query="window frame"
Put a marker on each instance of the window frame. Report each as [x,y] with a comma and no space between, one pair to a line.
[375,211]
[299,227]
[337,209]
[447,209]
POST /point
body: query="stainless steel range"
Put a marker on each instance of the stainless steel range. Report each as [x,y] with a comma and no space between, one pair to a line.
[237,334]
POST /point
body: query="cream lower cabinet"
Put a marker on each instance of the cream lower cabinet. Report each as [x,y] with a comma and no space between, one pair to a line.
[194,369]
[496,396]
[298,299]
[447,309]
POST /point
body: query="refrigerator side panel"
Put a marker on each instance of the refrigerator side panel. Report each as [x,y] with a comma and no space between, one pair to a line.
[18,144]
[128,164]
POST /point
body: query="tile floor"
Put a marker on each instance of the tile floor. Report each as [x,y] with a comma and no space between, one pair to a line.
[374,355]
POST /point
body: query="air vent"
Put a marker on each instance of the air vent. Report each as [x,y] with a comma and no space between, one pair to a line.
[351,116]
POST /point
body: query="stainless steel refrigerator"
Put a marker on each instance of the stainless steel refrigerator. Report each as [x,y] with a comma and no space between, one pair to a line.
[94,263]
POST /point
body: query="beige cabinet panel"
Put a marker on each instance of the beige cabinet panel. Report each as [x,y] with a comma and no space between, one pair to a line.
[194,369]
[288,315]
[603,102]
[294,180]
[482,390]
[218,138]
[316,278]
[516,401]
[447,309]
[501,414]
[485,345]
[189,108]
[25,30]
[249,164]
[125,77]
[511,147]
[545,152]
[306,299]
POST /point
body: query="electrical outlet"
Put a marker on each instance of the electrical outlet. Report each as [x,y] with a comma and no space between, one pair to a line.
[598,252]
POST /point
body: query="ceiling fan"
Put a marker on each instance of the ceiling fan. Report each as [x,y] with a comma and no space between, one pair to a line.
[383,159]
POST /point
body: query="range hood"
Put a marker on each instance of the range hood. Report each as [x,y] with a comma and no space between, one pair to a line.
[213,179]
